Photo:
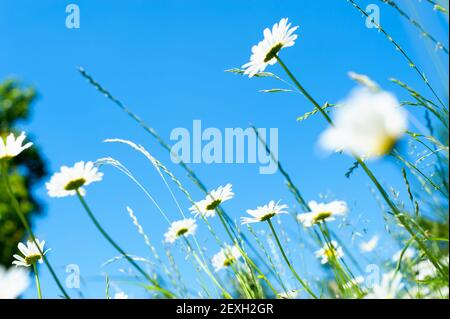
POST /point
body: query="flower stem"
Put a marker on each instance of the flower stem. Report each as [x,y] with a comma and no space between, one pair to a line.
[27,227]
[38,283]
[369,173]
[120,250]
[288,262]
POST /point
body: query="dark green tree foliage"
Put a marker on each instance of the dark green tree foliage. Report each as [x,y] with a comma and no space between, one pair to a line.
[26,170]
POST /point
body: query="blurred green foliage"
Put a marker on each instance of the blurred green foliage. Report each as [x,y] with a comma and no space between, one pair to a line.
[26,170]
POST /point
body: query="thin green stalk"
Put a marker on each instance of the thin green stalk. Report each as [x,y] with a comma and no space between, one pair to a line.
[369,173]
[399,48]
[191,174]
[423,32]
[120,250]
[27,227]
[287,260]
[38,283]
[206,269]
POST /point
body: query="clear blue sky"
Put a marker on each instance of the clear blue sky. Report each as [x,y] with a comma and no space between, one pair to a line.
[165,59]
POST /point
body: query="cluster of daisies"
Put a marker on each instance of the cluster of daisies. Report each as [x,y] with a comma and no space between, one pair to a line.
[71,181]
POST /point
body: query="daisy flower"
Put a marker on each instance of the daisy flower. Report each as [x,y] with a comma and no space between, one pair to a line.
[329,251]
[263,213]
[225,257]
[13,282]
[389,287]
[321,212]
[12,146]
[263,54]
[184,227]
[70,179]
[30,252]
[207,207]
[367,125]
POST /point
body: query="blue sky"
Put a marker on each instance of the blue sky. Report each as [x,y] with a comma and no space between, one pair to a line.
[166,61]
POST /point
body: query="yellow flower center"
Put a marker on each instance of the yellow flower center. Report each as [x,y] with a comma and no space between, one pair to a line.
[267,216]
[182,231]
[32,259]
[322,216]
[75,184]
[273,52]
[385,145]
[214,204]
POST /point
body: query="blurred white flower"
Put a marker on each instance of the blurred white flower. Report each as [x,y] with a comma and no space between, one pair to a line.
[13,282]
[291,294]
[121,295]
[184,227]
[425,270]
[207,207]
[389,287]
[12,146]
[368,246]
[263,213]
[407,255]
[225,257]
[30,252]
[367,125]
[263,54]
[329,251]
[70,179]
[321,212]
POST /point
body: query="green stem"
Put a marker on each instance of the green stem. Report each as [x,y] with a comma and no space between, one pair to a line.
[120,250]
[288,262]
[27,227]
[38,283]
[369,173]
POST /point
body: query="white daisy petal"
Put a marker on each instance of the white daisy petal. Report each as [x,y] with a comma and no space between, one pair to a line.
[322,212]
[207,207]
[30,252]
[263,54]
[264,213]
[368,124]
[12,146]
[70,179]
[180,228]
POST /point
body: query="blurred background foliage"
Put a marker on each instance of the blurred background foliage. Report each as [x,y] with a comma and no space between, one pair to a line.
[26,170]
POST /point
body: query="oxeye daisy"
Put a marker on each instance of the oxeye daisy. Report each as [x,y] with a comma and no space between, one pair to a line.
[330,251]
[70,179]
[390,287]
[207,207]
[225,257]
[13,282]
[12,146]
[264,53]
[177,229]
[30,252]
[264,213]
[368,124]
[321,212]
